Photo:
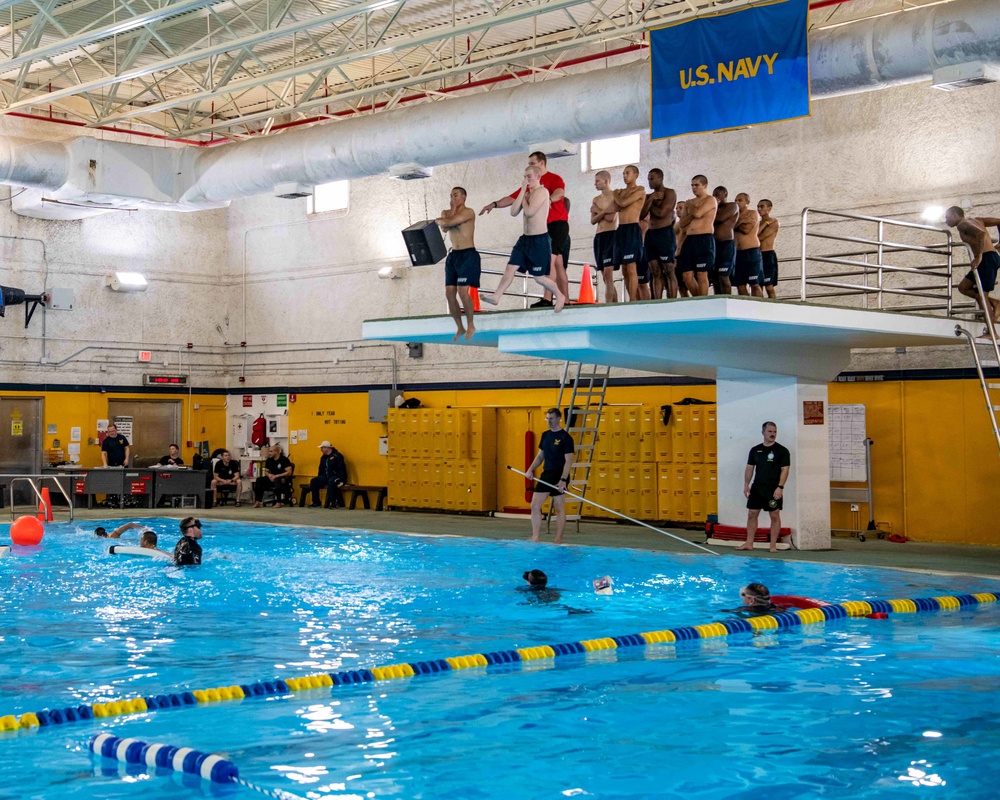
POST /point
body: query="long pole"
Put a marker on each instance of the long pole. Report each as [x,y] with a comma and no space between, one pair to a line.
[612,511]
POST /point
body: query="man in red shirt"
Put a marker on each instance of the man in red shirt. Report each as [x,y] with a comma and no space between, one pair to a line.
[558,223]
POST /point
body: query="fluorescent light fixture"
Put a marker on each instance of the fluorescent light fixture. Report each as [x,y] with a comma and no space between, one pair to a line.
[394,271]
[126,282]
[933,214]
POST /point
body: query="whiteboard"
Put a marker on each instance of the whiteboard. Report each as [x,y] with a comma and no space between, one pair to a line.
[847,443]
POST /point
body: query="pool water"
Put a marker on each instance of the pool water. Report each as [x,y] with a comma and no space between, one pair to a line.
[849,708]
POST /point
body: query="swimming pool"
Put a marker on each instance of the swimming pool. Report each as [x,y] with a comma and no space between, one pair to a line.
[855,707]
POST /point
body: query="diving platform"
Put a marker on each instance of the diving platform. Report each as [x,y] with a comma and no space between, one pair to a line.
[771,360]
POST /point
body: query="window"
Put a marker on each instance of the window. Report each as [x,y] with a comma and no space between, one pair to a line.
[604,153]
[329,197]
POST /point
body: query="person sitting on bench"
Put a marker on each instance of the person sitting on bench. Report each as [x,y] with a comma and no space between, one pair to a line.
[332,475]
[276,478]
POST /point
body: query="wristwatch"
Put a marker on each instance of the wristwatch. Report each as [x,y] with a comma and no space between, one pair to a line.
[780,486]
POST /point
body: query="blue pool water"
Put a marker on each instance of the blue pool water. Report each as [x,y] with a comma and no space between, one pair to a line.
[850,708]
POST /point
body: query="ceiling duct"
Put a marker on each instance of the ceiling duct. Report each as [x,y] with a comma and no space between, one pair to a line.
[96,175]
[964,76]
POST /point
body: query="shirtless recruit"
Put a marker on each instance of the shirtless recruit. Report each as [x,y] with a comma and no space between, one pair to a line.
[698,224]
[533,251]
[628,238]
[462,267]
[679,236]
[767,233]
[985,259]
[749,267]
[725,242]
[660,245]
[603,215]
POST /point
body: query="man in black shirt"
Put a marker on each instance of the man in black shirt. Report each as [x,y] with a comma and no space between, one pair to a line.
[277,478]
[767,466]
[115,449]
[173,458]
[227,473]
[187,553]
[332,475]
[556,450]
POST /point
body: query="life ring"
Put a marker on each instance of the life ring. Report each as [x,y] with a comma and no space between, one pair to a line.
[4,550]
[132,550]
[796,601]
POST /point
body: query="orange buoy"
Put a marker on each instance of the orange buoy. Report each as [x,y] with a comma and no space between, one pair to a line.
[27,531]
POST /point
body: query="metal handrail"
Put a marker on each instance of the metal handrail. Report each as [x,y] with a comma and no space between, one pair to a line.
[30,480]
[525,294]
[879,270]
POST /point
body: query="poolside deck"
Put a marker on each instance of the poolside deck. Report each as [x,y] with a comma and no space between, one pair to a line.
[919,556]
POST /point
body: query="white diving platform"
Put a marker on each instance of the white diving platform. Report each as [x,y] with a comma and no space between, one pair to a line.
[768,357]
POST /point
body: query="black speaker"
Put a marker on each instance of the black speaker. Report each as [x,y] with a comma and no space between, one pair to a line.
[424,243]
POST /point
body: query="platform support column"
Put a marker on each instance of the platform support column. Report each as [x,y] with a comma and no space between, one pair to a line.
[745,401]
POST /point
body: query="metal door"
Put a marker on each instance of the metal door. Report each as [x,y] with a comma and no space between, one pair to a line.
[21,439]
[156,424]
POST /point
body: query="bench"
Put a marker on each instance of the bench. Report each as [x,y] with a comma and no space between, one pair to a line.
[357,491]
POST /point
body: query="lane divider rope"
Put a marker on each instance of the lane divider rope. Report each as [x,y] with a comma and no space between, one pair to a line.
[787,619]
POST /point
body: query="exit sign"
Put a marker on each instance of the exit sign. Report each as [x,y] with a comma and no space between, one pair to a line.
[145,355]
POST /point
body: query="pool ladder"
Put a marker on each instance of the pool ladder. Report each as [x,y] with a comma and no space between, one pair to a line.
[586,386]
[36,483]
[986,354]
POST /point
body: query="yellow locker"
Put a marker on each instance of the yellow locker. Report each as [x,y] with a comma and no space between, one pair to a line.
[679,429]
[425,496]
[711,436]
[616,418]
[633,427]
[664,445]
[448,491]
[482,434]
[437,485]
[665,491]
[394,480]
[425,433]
[681,512]
[456,433]
[630,489]
[392,432]
[696,506]
[648,499]
[477,498]
[402,432]
[602,447]
[647,435]
[437,433]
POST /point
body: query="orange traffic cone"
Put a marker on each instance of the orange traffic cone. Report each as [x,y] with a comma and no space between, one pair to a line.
[586,288]
[45,507]
[474,294]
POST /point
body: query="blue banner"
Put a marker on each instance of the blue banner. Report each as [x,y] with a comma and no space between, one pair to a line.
[730,70]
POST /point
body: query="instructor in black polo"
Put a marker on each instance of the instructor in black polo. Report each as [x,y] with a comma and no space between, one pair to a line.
[764,483]
[556,450]
[115,449]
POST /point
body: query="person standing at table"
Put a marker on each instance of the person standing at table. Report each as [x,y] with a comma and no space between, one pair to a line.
[115,449]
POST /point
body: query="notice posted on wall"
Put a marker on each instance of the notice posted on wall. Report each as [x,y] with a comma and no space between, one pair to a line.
[847,443]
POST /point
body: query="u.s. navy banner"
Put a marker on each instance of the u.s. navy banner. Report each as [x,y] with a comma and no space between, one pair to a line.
[745,67]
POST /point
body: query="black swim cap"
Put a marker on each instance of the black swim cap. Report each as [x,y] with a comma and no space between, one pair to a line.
[536,578]
[102,532]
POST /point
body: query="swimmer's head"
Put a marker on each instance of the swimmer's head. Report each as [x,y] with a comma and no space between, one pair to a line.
[533,173]
[743,201]
[699,185]
[191,527]
[720,193]
[765,206]
[536,578]
[655,178]
[538,159]
[148,540]
[954,215]
[102,532]
[755,594]
[631,172]
[602,180]
[458,195]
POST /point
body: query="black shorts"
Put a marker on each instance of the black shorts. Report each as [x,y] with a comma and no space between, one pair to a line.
[559,234]
[770,259]
[628,244]
[552,476]
[725,258]
[532,254]
[698,254]
[642,272]
[988,267]
[462,268]
[661,245]
[604,250]
[749,267]
[761,497]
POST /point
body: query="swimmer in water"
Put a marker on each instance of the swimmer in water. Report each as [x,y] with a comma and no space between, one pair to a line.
[148,541]
[117,532]
[539,592]
[756,599]
[188,551]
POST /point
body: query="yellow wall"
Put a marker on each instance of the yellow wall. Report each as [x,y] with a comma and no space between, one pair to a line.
[82,409]
[934,459]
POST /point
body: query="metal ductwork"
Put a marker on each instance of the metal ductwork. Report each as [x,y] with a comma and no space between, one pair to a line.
[88,175]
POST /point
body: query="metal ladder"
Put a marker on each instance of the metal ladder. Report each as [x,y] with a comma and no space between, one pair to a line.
[586,385]
[985,360]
